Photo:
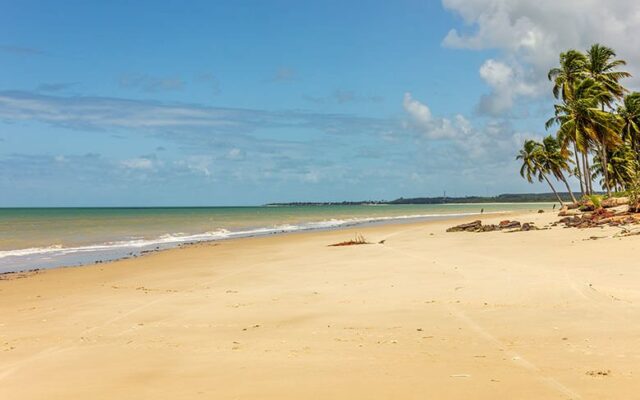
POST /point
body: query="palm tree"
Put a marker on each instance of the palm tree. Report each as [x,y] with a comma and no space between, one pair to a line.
[608,137]
[621,167]
[602,67]
[571,71]
[531,155]
[581,121]
[556,162]
[629,114]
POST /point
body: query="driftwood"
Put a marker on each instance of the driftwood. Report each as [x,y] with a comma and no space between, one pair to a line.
[359,239]
[599,217]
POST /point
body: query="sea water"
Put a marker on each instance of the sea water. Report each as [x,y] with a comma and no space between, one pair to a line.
[33,238]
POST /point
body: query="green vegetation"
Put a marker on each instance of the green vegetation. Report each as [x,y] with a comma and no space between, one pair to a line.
[596,200]
[502,198]
[598,127]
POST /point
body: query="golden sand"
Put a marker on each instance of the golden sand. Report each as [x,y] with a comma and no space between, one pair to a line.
[426,315]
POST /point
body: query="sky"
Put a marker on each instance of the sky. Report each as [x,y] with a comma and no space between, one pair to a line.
[153,103]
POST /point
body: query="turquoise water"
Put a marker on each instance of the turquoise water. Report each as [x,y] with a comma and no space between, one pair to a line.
[47,237]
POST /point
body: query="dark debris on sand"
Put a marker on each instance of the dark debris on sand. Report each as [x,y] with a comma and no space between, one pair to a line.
[506,225]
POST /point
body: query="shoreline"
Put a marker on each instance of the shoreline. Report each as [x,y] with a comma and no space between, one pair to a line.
[114,254]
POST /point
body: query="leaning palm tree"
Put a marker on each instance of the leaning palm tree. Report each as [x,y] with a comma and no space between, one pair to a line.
[556,162]
[581,120]
[532,167]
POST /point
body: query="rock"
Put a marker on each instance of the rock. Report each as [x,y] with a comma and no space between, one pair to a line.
[528,226]
[540,211]
[615,202]
[572,206]
[468,227]
[509,224]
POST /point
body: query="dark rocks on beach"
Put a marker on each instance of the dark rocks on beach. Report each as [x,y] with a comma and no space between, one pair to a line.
[509,224]
[468,227]
[476,226]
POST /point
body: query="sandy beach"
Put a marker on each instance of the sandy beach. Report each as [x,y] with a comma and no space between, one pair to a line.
[546,314]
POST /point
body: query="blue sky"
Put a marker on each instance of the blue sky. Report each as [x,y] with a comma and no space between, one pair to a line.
[247,102]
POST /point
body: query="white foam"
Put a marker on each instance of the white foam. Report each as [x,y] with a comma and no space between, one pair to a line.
[173,239]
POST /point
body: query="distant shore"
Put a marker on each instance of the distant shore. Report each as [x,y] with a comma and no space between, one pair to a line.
[508,198]
[49,238]
[417,313]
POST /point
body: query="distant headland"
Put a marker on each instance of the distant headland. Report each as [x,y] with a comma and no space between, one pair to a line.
[501,198]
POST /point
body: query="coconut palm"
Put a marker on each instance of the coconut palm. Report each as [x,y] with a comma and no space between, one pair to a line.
[621,167]
[532,156]
[556,162]
[572,69]
[629,114]
[602,67]
[581,121]
[608,138]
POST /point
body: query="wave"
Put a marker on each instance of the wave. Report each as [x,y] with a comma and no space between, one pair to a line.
[175,239]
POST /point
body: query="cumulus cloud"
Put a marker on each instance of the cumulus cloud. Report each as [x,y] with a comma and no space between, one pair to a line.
[495,138]
[530,36]
[507,83]
[420,117]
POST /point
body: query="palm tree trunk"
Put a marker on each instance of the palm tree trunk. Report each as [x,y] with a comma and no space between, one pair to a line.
[573,198]
[554,189]
[588,172]
[605,168]
[575,153]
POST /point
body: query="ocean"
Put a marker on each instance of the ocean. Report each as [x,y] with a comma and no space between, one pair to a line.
[35,238]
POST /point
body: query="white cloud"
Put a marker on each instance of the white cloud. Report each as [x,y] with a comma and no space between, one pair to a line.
[494,140]
[197,164]
[235,154]
[507,83]
[530,36]
[137,164]
[421,119]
